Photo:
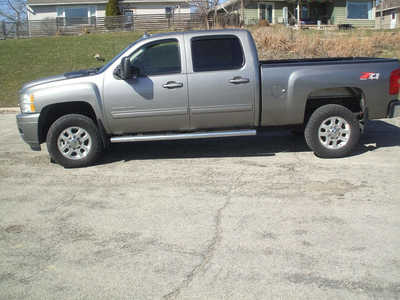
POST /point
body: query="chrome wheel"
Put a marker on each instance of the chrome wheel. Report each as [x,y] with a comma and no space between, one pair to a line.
[74,143]
[334,132]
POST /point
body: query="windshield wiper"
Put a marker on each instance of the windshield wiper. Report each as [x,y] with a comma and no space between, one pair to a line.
[94,70]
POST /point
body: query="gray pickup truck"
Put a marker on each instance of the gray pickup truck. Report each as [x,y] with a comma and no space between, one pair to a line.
[205,84]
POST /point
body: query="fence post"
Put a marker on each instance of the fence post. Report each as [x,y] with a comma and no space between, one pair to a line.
[28,24]
[17,29]
[3,28]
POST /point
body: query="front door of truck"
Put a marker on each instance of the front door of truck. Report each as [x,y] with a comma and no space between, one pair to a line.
[157,100]
[221,88]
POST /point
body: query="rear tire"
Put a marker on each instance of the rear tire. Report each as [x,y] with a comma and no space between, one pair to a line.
[74,141]
[332,131]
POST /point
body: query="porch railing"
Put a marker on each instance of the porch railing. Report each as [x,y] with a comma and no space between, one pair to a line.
[387,4]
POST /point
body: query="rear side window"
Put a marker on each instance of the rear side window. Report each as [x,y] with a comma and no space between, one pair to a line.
[216,53]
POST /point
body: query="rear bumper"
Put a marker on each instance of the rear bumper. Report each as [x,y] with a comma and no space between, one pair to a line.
[394,109]
[28,128]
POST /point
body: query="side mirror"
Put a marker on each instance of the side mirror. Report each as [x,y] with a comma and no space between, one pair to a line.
[127,71]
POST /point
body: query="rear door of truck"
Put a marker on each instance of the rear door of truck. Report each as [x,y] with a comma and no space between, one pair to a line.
[221,88]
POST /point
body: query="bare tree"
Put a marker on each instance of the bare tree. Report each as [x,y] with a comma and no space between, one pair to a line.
[201,7]
[14,11]
[214,6]
[204,8]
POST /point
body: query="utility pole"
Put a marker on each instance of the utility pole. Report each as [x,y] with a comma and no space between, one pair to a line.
[298,13]
[241,12]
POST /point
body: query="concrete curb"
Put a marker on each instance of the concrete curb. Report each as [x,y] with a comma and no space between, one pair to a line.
[8,110]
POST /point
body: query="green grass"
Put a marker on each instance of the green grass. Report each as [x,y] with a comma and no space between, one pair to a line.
[28,59]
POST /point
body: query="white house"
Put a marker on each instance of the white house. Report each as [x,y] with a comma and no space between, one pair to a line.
[51,9]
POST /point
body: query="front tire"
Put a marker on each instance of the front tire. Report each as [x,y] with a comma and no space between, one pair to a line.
[74,141]
[332,131]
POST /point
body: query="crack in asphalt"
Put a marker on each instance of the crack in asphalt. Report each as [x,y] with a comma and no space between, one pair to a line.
[174,249]
[369,287]
[209,252]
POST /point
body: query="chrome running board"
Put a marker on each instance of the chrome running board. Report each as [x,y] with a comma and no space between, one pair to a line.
[182,136]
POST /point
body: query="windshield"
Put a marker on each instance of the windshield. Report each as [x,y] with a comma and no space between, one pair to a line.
[103,68]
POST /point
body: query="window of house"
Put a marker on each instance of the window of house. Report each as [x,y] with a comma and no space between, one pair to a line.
[359,10]
[169,11]
[157,58]
[76,12]
[129,12]
[304,12]
[213,54]
[77,15]
[265,12]
[92,11]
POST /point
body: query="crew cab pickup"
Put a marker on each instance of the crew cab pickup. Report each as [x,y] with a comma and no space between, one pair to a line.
[205,84]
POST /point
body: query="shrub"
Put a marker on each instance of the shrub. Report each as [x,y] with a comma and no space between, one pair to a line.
[263,23]
[112,22]
[112,8]
[280,42]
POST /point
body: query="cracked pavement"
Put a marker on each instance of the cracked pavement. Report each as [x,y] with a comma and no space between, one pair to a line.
[239,218]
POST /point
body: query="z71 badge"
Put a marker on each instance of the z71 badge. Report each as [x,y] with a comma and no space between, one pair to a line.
[369,75]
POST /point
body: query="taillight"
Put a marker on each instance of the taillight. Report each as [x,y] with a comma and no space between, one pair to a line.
[394,88]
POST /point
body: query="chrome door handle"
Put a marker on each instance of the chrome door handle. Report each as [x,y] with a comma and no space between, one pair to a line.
[238,80]
[172,85]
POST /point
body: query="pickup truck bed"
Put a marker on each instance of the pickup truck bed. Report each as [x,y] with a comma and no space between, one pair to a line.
[292,87]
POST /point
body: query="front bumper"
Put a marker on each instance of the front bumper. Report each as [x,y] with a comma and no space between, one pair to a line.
[394,109]
[28,128]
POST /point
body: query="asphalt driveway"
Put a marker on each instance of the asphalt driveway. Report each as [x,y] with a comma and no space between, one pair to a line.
[239,218]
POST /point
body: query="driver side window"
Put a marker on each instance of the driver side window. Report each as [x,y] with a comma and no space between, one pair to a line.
[157,58]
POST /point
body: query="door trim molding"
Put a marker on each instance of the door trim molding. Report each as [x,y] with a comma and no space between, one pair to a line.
[130,113]
[221,109]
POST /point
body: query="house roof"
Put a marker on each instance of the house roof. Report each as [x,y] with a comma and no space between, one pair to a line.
[72,2]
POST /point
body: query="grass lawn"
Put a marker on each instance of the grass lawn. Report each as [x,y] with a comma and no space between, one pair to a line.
[28,59]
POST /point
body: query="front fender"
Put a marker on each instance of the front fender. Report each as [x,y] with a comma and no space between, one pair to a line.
[74,92]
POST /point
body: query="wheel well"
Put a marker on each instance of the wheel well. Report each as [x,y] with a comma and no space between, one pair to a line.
[51,113]
[351,98]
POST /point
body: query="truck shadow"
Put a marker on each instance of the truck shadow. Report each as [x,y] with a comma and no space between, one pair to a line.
[378,134]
